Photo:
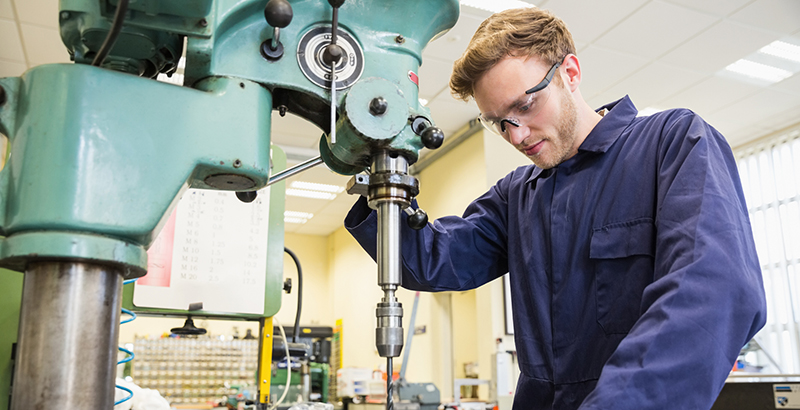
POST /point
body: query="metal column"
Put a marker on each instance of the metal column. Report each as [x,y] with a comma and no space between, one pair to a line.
[68,333]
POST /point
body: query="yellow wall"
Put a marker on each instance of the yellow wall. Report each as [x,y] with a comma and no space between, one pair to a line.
[355,291]
[447,186]
[317,310]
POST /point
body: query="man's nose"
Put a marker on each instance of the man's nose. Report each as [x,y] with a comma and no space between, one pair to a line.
[516,135]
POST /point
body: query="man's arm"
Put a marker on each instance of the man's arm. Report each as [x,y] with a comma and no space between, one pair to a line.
[452,253]
[707,299]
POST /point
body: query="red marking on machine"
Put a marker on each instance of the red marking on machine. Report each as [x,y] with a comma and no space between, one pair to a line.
[159,256]
[413,77]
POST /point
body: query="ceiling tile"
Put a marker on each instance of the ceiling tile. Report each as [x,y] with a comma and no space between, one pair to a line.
[299,204]
[740,136]
[473,12]
[588,20]
[710,95]
[652,84]
[776,15]
[791,85]
[294,131]
[450,114]
[715,7]
[601,68]
[320,174]
[340,206]
[753,110]
[434,76]
[719,46]
[39,12]
[43,45]
[451,45]
[783,119]
[11,46]
[12,68]
[651,30]
[6,11]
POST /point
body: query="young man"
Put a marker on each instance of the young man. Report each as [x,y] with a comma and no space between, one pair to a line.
[633,271]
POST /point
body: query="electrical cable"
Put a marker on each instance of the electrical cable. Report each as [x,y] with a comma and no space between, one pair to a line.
[299,294]
[288,365]
[129,353]
[113,33]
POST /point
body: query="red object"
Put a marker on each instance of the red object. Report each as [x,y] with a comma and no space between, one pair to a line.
[159,256]
[413,77]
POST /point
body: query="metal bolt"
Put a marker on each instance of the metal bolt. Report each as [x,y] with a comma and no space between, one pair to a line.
[64,15]
[265,381]
[237,163]
[2,96]
[282,110]
[400,39]
[378,106]
[203,22]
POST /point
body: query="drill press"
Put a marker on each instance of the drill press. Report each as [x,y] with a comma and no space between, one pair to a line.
[101,153]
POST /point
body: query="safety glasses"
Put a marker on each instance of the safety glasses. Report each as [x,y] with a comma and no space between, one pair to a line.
[523,109]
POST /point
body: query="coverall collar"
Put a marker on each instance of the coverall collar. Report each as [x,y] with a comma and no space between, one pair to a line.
[620,114]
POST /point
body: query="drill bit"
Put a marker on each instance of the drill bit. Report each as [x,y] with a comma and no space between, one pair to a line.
[389,384]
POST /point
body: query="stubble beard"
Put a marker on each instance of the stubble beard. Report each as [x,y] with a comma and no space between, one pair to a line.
[560,144]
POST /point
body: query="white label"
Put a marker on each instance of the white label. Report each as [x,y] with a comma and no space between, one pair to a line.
[212,250]
[787,396]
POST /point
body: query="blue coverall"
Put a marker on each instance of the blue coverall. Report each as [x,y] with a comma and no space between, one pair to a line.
[633,271]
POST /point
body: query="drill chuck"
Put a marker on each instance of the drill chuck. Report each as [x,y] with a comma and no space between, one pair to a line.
[389,333]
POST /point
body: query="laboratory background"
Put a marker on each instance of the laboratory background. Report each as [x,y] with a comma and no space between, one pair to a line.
[231,194]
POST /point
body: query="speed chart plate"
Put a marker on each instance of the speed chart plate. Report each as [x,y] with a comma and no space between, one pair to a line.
[309,57]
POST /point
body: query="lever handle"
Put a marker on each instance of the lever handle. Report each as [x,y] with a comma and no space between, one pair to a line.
[246,196]
[278,13]
[432,137]
[416,219]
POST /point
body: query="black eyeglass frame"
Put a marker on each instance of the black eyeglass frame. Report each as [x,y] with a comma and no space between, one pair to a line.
[536,88]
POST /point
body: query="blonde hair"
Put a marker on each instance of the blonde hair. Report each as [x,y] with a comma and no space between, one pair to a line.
[518,32]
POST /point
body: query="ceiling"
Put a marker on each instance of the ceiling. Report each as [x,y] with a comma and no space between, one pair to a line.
[663,53]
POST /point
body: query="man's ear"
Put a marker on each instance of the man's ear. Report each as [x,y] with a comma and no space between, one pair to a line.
[571,73]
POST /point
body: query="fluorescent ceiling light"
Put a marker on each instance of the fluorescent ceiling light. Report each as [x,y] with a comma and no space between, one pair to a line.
[295,214]
[783,50]
[648,111]
[294,217]
[759,71]
[310,194]
[313,186]
[496,6]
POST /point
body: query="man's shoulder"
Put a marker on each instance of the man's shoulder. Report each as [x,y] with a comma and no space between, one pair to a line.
[667,118]
[671,124]
[672,129]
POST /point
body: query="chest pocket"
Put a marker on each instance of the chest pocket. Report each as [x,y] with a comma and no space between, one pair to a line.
[622,254]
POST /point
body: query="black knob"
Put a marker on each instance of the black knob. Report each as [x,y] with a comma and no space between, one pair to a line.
[418,220]
[246,196]
[336,3]
[332,54]
[378,106]
[287,285]
[432,137]
[278,13]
